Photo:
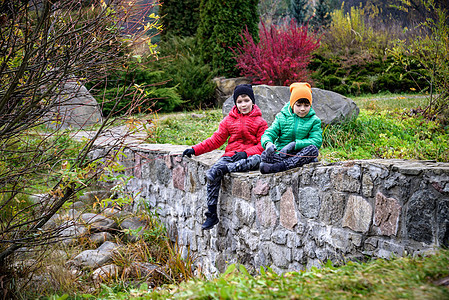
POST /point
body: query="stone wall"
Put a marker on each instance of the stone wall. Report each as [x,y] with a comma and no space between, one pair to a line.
[296,219]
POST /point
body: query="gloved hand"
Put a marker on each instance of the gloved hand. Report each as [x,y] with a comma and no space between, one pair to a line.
[188,152]
[239,155]
[287,148]
[270,148]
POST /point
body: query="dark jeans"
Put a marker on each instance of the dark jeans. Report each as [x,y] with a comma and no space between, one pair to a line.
[278,162]
[214,178]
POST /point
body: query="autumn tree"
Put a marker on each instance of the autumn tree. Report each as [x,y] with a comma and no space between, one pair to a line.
[44,45]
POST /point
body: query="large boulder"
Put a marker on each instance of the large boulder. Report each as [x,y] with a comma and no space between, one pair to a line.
[329,106]
[225,87]
[76,107]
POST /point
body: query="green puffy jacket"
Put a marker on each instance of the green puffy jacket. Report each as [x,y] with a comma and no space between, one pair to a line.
[288,127]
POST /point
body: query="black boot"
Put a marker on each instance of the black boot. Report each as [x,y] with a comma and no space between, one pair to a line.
[266,168]
[212,218]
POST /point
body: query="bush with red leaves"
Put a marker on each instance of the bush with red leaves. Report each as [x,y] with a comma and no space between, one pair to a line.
[280,58]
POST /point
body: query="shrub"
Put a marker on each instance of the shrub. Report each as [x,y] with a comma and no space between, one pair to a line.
[280,58]
[221,23]
[191,78]
[431,51]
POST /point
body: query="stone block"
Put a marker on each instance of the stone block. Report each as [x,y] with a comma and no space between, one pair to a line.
[288,217]
[266,214]
[386,214]
[332,207]
[178,177]
[358,214]
[281,255]
[343,180]
[419,217]
[241,189]
[138,166]
[367,185]
[262,188]
[245,212]
[443,222]
[309,202]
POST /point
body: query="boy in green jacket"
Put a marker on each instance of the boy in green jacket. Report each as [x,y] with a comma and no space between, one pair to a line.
[296,130]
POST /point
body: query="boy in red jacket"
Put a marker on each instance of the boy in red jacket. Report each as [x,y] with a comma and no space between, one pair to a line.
[244,127]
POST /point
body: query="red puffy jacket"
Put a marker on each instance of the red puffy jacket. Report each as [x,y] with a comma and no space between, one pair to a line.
[244,132]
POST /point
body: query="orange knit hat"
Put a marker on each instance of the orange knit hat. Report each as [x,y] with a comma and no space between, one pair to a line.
[300,90]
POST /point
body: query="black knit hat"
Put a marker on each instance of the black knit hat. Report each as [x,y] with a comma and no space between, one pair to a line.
[244,89]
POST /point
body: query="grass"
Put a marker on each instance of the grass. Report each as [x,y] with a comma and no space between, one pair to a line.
[400,278]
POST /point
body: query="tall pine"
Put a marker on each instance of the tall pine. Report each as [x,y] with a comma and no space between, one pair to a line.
[180,18]
[221,23]
[299,9]
[322,17]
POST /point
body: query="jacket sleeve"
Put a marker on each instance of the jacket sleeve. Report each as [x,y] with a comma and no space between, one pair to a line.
[315,136]
[272,133]
[257,149]
[217,139]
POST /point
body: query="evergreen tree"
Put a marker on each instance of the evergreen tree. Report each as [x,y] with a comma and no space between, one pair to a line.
[322,17]
[180,18]
[221,24]
[299,9]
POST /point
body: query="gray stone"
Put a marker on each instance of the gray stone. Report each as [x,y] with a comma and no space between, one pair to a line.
[99,238]
[443,222]
[98,222]
[105,273]
[76,107]
[281,255]
[343,180]
[288,216]
[94,258]
[309,202]
[329,106]
[332,207]
[420,209]
[367,185]
[358,214]
[386,214]
[134,227]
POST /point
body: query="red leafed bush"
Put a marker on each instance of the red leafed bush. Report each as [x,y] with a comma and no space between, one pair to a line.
[280,58]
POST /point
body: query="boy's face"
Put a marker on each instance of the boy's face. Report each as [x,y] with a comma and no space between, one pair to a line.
[301,109]
[244,104]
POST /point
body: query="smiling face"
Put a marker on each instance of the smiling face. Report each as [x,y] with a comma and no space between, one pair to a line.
[244,104]
[301,109]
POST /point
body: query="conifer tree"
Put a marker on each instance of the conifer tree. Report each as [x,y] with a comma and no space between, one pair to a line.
[221,24]
[299,9]
[321,18]
[180,18]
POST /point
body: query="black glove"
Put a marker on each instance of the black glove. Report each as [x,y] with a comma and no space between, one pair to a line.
[288,148]
[239,155]
[188,152]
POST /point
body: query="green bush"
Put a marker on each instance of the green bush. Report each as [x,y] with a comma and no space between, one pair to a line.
[135,80]
[221,23]
[184,68]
